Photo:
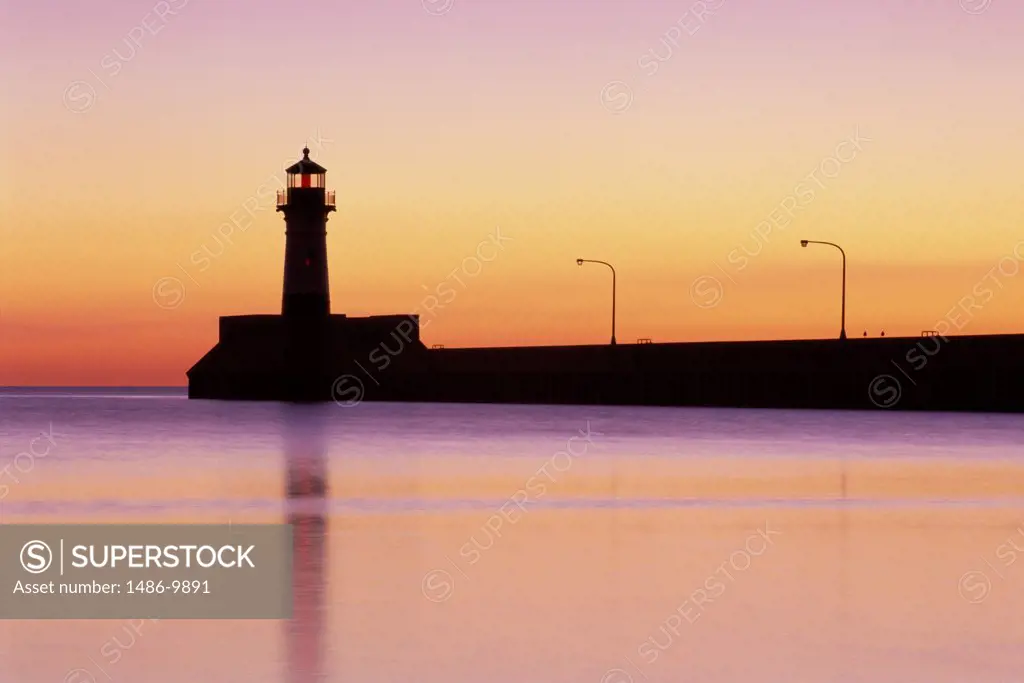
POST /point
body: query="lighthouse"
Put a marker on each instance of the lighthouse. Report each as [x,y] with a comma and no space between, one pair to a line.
[306,205]
[307,353]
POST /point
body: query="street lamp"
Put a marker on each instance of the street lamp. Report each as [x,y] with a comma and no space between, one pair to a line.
[580,262]
[804,243]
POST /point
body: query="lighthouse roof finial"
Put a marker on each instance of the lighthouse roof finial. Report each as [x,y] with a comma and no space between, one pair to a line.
[305,165]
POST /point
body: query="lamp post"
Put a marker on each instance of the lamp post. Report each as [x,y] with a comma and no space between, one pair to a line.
[580,262]
[804,243]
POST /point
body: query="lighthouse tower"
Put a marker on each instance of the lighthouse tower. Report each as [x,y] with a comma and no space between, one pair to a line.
[306,204]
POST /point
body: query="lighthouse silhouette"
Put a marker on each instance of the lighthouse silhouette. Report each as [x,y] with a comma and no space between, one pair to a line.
[306,205]
[307,353]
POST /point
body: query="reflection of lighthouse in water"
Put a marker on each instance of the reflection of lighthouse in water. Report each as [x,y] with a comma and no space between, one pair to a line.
[306,462]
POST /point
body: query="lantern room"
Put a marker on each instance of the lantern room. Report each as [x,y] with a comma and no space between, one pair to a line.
[306,173]
[306,182]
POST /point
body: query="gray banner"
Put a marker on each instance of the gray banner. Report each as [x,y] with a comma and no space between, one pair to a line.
[145,572]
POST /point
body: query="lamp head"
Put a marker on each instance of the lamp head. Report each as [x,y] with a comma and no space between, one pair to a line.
[579,262]
[803,243]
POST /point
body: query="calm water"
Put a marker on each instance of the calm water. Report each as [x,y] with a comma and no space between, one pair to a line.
[577,544]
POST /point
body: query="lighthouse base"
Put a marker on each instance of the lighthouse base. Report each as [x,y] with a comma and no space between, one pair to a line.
[305,358]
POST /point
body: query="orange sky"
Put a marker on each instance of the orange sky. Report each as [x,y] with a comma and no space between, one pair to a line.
[449,132]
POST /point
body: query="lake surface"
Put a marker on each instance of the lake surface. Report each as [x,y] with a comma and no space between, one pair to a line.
[564,544]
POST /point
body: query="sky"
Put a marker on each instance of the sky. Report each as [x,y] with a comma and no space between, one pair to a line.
[485,146]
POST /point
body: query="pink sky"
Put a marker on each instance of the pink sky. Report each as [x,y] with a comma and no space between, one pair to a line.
[153,123]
